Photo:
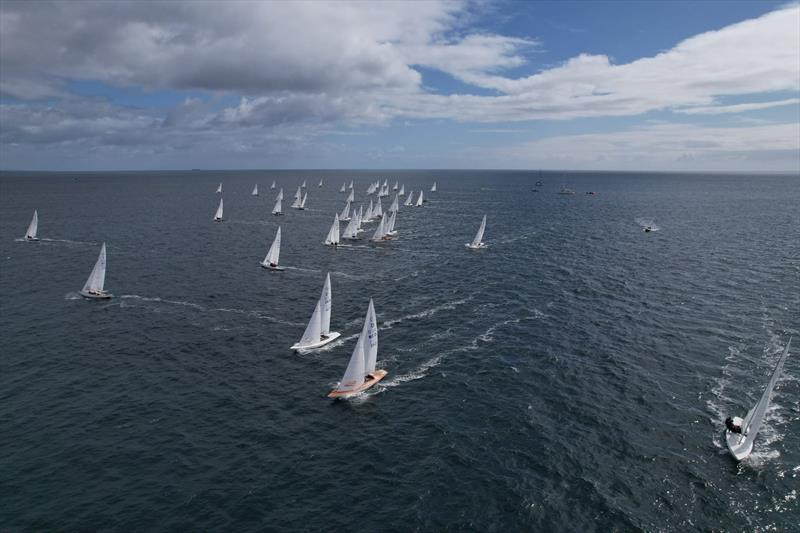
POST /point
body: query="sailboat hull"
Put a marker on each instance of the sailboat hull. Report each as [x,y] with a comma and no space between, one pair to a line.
[31,239]
[95,296]
[274,268]
[481,246]
[343,395]
[332,336]
[738,445]
[218,219]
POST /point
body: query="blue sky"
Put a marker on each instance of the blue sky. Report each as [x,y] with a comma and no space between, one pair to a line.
[562,85]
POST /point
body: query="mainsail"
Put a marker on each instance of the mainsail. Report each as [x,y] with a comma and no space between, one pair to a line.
[97,279]
[218,215]
[33,227]
[478,240]
[274,251]
[333,234]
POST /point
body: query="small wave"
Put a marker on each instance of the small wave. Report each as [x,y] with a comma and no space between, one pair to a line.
[199,307]
[72,296]
[301,269]
[161,300]
[58,241]
[418,373]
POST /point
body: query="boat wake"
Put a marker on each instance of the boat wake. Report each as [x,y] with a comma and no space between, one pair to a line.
[58,241]
[199,307]
[426,313]
[647,223]
[301,269]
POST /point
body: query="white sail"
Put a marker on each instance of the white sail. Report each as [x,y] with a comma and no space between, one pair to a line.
[380,231]
[345,216]
[320,184]
[419,199]
[351,231]
[402,190]
[97,279]
[386,183]
[255,190]
[378,209]
[410,199]
[352,196]
[333,234]
[277,210]
[297,203]
[303,201]
[365,354]
[33,227]
[478,240]
[351,185]
[368,215]
[326,304]
[344,187]
[741,445]
[218,215]
[433,189]
[219,189]
[274,251]
[395,204]
[390,227]
[273,184]
[312,334]
[298,194]
[395,186]
[359,218]
[304,184]
[280,194]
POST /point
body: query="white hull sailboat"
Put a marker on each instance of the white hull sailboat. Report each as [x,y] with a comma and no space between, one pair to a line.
[361,373]
[381,234]
[352,196]
[740,444]
[278,209]
[320,184]
[318,333]
[33,227]
[332,239]
[255,190]
[477,243]
[273,185]
[270,262]
[345,216]
[219,189]
[93,288]
[402,190]
[218,215]
[344,187]
[420,199]
[410,200]
[433,188]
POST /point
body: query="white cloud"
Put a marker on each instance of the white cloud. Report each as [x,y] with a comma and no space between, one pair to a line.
[662,146]
[737,108]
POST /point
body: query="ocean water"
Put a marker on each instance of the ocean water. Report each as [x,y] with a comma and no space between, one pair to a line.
[574,376]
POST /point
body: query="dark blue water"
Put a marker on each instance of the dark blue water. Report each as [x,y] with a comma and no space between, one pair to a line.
[574,376]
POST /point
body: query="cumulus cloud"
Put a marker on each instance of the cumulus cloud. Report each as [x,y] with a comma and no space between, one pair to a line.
[300,69]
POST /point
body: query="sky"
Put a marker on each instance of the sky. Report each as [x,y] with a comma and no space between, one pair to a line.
[469,84]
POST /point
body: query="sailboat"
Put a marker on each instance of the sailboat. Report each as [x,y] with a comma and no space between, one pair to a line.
[318,333]
[273,184]
[218,215]
[351,231]
[30,235]
[333,234]
[378,212]
[477,243]
[390,231]
[351,185]
[395,186]
[368,216]
[395,204]
[298,194]
[344,187]
[278,209]
[345,216]
[271,260]
[304,184]
[740,444]
[419,199]
[433,189]
[280,194]
[402,190]
[219,189]
[352,196]
[303,202]
[297,203]
[320,184]
[93,288]
[410,200]
[255,190]
[380,232]
[361,373]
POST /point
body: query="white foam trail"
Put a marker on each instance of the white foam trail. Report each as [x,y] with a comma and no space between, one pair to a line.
[62,241]
[246,312]
[647,222]
[72,296]
[427,312]
[301,269]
